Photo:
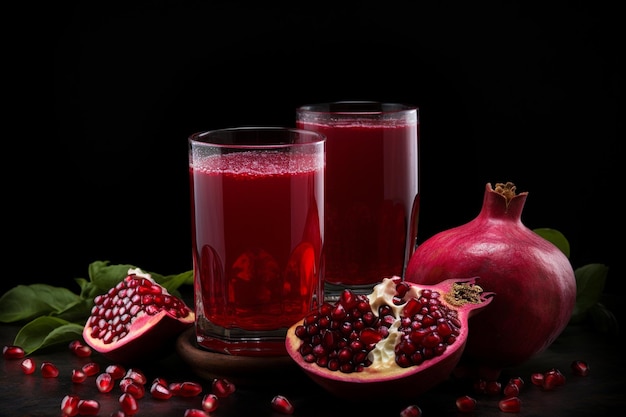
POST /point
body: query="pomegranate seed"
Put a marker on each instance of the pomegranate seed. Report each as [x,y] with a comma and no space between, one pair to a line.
[130,386]
[580,368]
[552,379]
[517,381]
[282,405]
[402,288]
[465,404]
[78,376]
[560,378]
[116,371]
[510,405]
[88,407]
[159,380]
[510,390]
[189,389]
[210,402]
[69,405]
[222,387]
[28,366]
[91,368]
[118,413]
[49,370]
[74,343]
[194,412]
[411,411]
[13,352]
[160,391]
[80,350]
[493,388]
[480,386]
[137,375]
[129,404]
[537,378]
[174,387]
[104,382]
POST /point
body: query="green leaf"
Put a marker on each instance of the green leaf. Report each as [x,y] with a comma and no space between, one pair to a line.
[590,281]
[88,290]
[604,320]
[20,303]
[79,312]
[173,282]
[58,298]
[46,331]
[25,302]
[105,276]
[556,238]
[188,277]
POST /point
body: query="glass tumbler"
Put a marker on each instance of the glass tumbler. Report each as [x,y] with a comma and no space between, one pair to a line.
[257,211]
[372,189]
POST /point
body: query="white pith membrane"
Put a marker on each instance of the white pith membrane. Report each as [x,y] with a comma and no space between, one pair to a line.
[383,355]
[139,319]
[453,295]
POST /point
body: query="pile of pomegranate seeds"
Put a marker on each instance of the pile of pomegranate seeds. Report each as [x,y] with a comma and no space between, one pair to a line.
[549,379]
[509,393]
[132,383]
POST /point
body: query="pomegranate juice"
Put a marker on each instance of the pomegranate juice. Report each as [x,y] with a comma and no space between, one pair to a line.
[257,244]
[372,199]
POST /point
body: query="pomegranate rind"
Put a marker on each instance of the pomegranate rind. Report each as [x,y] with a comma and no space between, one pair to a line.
[392,381]
[150,336]
[530,312]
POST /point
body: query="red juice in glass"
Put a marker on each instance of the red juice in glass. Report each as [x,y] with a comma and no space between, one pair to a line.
[372,194]
[257,241]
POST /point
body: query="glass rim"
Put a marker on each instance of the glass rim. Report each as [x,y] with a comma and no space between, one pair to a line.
[357,107]
[257,137]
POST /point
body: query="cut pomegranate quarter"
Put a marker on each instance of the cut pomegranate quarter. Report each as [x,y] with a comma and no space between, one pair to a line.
[136,320]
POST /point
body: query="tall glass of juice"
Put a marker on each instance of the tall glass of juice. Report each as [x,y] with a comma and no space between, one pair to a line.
[257,211]
[372,189]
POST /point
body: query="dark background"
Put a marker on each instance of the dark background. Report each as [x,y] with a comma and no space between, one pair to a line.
[100,99]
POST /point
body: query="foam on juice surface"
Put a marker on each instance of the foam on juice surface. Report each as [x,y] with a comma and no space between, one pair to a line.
[259,163]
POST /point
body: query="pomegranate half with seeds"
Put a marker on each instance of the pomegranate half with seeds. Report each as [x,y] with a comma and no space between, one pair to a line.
[399,341]
[136,319]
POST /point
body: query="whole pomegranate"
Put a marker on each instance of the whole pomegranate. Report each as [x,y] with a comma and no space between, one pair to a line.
[534,281]
[136,319]
[397,342]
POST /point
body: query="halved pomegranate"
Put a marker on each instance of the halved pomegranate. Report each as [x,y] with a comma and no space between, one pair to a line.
[136,319]
[397,342]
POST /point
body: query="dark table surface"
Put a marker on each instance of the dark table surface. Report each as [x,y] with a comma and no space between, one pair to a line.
[601,393]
